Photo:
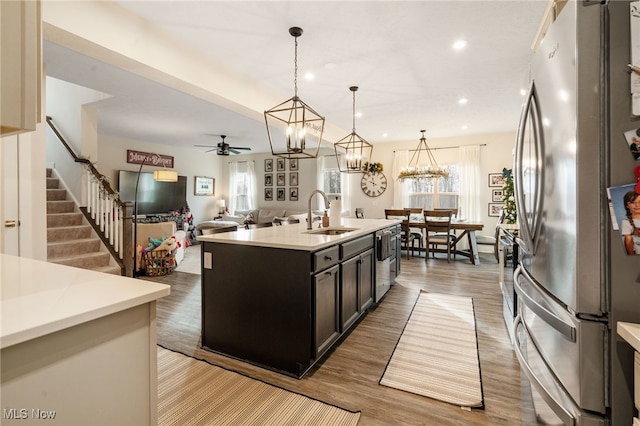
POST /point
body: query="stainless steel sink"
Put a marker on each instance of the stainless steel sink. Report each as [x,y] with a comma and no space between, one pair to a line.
[331,231]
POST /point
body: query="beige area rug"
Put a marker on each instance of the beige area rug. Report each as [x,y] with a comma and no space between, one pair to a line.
[191,261]
[437,354]
[194,392]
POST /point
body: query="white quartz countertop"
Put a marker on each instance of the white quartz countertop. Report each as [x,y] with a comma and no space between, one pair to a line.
[296,236]
[38,298]
[631,333]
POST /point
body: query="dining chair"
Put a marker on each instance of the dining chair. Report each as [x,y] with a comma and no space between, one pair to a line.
[438,227]
[454,233]
[417,233]
[359,213]
[405,235]
[486,240]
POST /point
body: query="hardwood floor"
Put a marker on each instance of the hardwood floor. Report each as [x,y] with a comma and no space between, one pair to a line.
[348,376]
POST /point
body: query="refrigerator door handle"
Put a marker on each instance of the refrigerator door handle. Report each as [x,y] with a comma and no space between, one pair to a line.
[565,416]
[563,327]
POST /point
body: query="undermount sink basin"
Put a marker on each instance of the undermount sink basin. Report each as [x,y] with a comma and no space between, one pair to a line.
[331,231]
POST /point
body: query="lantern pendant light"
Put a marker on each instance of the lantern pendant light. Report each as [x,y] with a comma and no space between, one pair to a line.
[353,151]
[293,127]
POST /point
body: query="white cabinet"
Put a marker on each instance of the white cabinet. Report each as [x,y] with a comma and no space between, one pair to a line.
[20,66]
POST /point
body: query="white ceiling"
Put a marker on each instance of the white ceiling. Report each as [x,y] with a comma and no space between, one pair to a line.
[399,53]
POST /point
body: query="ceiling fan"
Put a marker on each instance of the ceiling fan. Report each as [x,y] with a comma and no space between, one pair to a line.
[223,148]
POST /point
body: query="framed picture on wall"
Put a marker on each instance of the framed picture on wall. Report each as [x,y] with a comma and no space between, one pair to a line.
[293,164]
[268,179]
[293,194]
[496,180]
[497,196]
[268,165]
[203,185]
[280,164]
[293,179]
[281,194]
[268,194]
[495,208]
[281,179]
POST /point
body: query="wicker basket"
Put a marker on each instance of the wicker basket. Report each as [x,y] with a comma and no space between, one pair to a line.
[159,262]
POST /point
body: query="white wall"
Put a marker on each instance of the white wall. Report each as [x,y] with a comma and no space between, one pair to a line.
[189,162]
[69,107]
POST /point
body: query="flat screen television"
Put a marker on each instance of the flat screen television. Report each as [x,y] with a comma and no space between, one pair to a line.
[153,197]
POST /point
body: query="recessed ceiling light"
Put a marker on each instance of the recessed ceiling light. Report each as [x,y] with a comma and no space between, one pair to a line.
[358,114]
[465,127]
[384,135]
[460,44]
[309,76]
[463,101]
[523,92]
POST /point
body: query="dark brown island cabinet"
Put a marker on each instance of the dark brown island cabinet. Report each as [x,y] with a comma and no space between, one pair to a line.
[284,308]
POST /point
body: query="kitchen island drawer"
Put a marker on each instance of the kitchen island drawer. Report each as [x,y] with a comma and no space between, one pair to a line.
[326,258]
[353,247]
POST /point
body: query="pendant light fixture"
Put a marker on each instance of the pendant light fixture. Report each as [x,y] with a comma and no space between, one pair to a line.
[353,151]
[294,128]
[418,170]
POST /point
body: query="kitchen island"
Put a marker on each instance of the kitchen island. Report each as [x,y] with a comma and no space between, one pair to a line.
[77,346]
[282,296]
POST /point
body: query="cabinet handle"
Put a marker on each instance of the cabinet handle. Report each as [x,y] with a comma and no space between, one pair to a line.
[11,223]
[328,258]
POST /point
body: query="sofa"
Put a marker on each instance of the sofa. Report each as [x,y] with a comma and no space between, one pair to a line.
[161,230]
[254,218]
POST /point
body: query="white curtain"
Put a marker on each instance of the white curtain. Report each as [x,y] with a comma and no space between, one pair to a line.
[242,177]
[233,186]
[470,206]
[400,189]
[252,192]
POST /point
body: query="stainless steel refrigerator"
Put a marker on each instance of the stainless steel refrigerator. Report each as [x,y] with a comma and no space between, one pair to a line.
[573,281]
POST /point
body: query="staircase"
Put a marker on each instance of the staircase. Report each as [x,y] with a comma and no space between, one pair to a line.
[70,239]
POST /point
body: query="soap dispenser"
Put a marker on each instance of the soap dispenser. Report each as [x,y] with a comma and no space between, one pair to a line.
[325,220]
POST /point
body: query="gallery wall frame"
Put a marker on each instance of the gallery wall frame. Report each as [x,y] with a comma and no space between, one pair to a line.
[268,194]
[204,185]
[495,209]
[268,165]
[268,179]
[293,194]
[497,195]
[281,194]
[496,180]
[281,179]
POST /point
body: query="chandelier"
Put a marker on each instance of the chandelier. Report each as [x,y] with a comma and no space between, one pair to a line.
[416,170]
[294,128]
[352,151]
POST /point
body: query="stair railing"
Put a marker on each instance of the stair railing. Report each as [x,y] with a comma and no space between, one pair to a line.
[109,216]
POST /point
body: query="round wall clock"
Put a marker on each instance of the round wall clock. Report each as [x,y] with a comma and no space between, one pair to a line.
[373,184]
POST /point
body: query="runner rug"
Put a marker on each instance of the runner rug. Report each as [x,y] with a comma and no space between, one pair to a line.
[194,392]
[437,354]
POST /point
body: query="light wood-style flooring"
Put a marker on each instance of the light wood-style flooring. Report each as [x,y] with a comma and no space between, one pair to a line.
[348,377]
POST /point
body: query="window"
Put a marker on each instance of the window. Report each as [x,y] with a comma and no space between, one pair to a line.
[242,186]
[242,191]
[332,180]
[425,194]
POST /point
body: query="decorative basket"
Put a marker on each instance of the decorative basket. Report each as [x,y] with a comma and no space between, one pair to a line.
[159,262]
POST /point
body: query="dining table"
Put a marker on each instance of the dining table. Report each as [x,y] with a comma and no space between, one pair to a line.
[468,230]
